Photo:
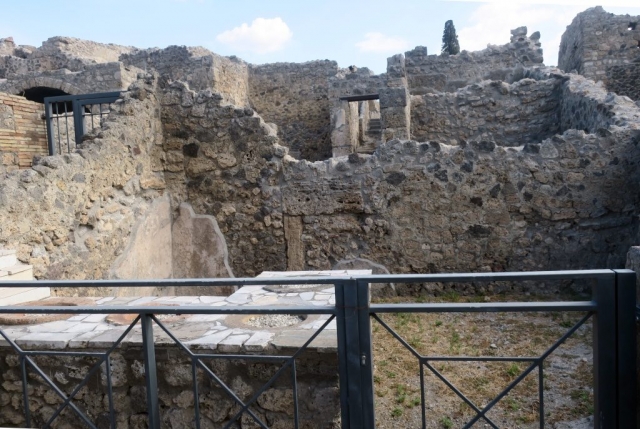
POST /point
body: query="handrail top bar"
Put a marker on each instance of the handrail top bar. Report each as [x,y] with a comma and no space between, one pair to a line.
[248,281]
[484,307]
[492,276]
[380,278]
[185,309]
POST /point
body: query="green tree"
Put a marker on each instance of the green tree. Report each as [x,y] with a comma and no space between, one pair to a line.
[450,43]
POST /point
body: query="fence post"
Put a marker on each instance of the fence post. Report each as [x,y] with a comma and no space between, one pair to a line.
[78,120]
[604,353]
[349,354]
[366,355]
[48,114]
[150,371]
[626,347]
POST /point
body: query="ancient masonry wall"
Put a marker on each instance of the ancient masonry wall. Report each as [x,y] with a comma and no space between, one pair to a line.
[224,160]
[428,207]
[625,79]
[425,207]
[507,114]
[603,47]
[316,374]
[55,53]
[70,216]
[446,73]
[23,134]
[198,67]
[296,97]
[105,77]
[558,203]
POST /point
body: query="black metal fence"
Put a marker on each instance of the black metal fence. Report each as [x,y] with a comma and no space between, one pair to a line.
[68,116]
[612,309]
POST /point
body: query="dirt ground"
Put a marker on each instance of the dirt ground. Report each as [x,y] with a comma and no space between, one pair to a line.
[567,380]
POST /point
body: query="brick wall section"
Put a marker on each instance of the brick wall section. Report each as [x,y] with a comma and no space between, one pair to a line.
[22,129]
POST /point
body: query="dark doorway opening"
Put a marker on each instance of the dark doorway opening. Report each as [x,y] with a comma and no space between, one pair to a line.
[38,94]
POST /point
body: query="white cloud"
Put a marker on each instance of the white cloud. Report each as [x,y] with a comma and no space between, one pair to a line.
[582,3]
[378,42]
[264,35]
[491,24]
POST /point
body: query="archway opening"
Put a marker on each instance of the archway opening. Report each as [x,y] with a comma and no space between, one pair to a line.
[39,93]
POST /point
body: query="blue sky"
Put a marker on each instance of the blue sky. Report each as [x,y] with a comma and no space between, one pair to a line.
[352,32]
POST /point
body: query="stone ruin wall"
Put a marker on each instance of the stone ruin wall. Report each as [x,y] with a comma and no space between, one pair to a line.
[426,207]
[446,73]
[56,53]
[604,47]
[224,161]
[507,114]
[22,132]
[71,215]
[302,98]
[506,196]
[318,394]
[200,68]
[72,65]
[555,203]
[296,97]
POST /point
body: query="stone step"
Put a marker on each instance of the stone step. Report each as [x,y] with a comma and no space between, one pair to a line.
[7,258]
[12,296]
[366,149]
[19,272]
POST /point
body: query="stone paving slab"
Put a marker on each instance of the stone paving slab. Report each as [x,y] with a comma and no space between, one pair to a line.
[211,332]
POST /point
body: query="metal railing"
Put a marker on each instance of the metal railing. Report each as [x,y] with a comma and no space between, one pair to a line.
[68,116]
[612,309]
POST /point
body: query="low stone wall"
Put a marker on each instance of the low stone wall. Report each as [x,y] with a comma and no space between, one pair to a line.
[317,390]
[507,114]
[440,73]
[22,130]
[316,368]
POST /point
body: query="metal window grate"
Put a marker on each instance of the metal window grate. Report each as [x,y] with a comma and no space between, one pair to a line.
[69,117]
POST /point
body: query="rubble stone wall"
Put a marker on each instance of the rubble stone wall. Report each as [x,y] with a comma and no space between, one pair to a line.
[56,53]
[507,114]
[22,130]
[231,80]
[200,68]
[445,73]
[224,160]
[428,207]
[71,215]
[625,79]
[601,46]
[555,203]
[105,77]
[296,98]
[317,375]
